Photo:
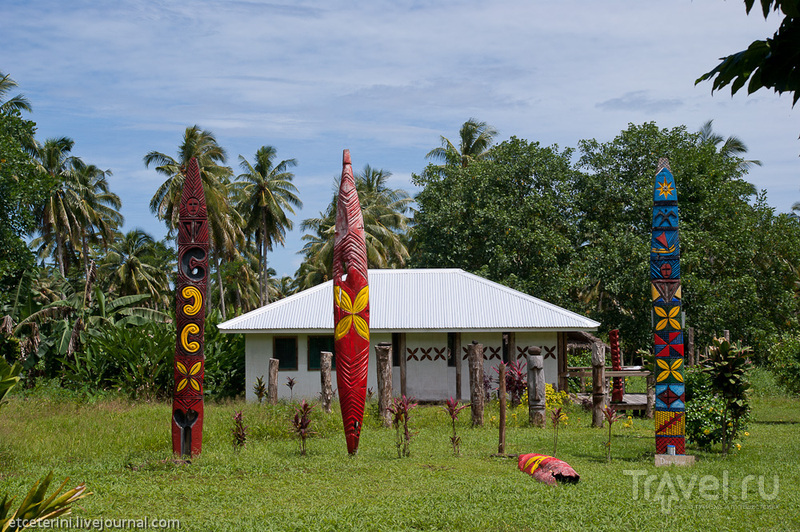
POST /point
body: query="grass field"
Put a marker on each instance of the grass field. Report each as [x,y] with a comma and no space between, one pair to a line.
[122,451]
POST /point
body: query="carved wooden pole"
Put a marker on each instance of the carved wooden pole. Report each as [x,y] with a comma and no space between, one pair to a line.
[190,295]
[383,354]
[350,306]
[537,401]
[476,393]
[326,393]
[665,279]
[272,388]
[598,383]
[501,392]
[618,388]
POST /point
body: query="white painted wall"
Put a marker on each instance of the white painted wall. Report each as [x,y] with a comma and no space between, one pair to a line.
[427,376]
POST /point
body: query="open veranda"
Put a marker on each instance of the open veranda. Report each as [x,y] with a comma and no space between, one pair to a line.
[122,451]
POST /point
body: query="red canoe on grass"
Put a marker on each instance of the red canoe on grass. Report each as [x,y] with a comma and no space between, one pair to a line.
[350,306]
[547,469]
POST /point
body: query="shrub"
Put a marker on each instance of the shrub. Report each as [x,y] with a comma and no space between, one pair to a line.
[784,359]
[239,431]
[453,408]
[400,409]
[554,399]
[301,424]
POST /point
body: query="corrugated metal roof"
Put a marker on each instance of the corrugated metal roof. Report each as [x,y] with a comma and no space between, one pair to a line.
[418,300]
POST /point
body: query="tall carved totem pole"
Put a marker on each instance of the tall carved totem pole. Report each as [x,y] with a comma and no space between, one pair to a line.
[665,278]
[187,404]
[350,306]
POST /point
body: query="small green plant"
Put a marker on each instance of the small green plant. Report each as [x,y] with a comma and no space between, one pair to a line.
[9,377]
[36,507]
[555,417]
[727,368]
[452,408]
[239,431]
[610,414]
[290,382]
[400,408]
[301,424]
[554,399]
[260,389]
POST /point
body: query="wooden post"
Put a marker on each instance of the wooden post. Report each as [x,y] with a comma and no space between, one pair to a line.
[402,355]
[563,381]
[383,354]
[457,356]
[512,347]
[476,394]
[726,334]
[326,395]
[536,389]
[273,380]
[501,446]
[598,383]
[690,346]
[651,396]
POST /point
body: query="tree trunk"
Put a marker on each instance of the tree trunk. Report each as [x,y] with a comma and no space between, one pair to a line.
[326,394]
[383,353]
[273,380]
[221,286]
[501,445]
[598,383]
[476,382]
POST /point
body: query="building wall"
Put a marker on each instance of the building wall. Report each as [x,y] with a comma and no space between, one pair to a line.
[428,376]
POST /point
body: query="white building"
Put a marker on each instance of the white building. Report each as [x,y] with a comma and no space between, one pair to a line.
[427,315]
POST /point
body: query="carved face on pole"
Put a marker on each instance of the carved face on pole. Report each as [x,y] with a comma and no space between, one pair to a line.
[192,282]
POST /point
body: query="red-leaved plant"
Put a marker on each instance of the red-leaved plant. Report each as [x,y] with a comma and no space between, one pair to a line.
[290,382]
[239,431]
[611,416]
[516,381]
[400,409]
[452,407]
[301,424]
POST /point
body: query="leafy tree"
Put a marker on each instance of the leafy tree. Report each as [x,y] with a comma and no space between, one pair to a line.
[509,218]
[267,194]
[475,142]
[15,103]
[22,190]
[771,63]
[136,265]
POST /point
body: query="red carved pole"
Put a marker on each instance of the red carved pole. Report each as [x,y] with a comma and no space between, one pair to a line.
[618,388]
[187,404]
[350,306]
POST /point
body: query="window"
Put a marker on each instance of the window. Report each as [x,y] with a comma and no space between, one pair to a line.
[285,350]
[396,348]
[316,345]
[453,348]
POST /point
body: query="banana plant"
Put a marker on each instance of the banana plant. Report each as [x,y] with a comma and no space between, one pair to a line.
[9,377]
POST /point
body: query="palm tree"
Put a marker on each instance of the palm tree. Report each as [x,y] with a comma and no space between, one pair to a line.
[18,102]
[267,194]
[59,217]
[99,209]
[133,267]
[224,227]
[731,147]
[385,226]
[475,144]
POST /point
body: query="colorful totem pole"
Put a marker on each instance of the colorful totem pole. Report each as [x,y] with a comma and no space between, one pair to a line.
[187,404]
[665,278]
[618,383]
[350,306]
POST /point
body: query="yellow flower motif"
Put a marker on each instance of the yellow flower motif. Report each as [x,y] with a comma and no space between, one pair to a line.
[667,318]
[352,319]
[189,376]
[669,370]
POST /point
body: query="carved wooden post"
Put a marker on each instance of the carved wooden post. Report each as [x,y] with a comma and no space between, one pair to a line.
[403,363]
[651,396]
[690,346]
[476,394]
[191,302]
[457,357]
[598,383]
[501,392]
[618,389]
[326,394]
[350,306]
[537,401]
[383,354]
[273,381]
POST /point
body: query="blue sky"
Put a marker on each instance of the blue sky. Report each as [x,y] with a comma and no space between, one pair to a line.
[383,79]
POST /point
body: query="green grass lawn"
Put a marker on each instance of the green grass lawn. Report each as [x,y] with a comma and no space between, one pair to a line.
[123,453]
